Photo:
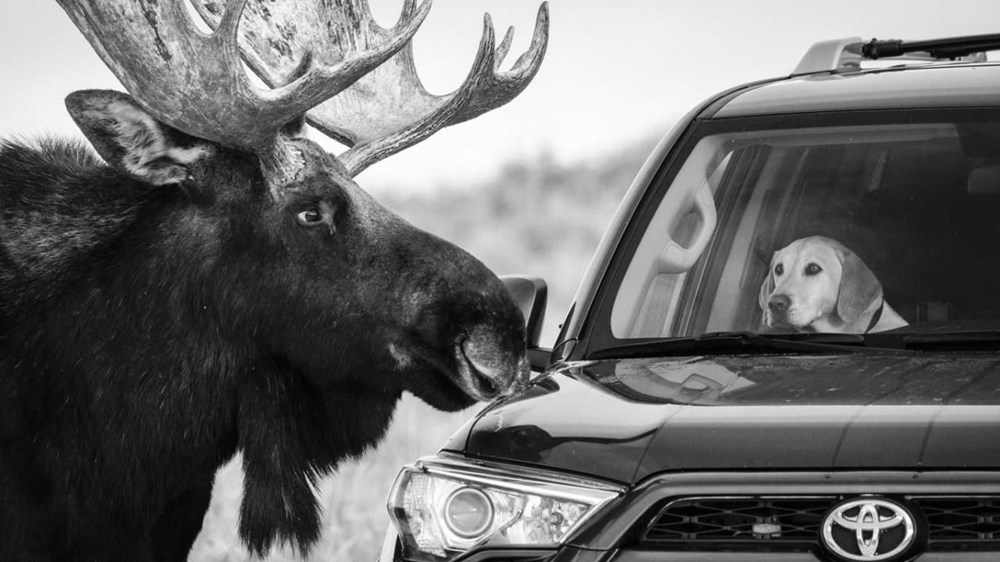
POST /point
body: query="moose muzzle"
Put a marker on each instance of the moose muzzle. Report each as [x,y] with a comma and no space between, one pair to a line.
[487,368]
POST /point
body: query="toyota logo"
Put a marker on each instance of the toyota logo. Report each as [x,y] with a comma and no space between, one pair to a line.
[868,529]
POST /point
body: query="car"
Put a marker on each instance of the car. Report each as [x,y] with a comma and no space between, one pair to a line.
[786,349]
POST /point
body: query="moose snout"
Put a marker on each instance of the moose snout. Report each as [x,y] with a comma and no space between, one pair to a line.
[487,365]
[779,303]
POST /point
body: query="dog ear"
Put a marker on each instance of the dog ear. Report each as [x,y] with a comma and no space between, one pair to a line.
[859,287]
[766,288]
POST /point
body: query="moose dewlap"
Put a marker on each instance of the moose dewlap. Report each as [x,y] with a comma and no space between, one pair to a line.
[216,283]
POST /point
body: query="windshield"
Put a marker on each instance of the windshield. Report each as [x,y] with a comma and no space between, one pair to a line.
[882,222]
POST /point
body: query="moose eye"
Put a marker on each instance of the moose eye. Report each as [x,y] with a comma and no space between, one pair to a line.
[813,269]
[779,269]
[310,217]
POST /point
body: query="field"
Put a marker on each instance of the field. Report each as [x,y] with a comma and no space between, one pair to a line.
[544,219]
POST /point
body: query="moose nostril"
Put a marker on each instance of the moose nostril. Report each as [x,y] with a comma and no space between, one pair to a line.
[487,386]
[778,303]
[488,365]
[484,356]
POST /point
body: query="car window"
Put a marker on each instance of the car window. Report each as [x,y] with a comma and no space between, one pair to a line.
[914,197]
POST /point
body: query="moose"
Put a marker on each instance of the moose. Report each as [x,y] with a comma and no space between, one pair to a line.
[211,281]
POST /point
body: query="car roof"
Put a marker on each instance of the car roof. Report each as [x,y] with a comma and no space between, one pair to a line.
[927,85]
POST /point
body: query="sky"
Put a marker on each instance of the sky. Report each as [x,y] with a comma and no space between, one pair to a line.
[616,70]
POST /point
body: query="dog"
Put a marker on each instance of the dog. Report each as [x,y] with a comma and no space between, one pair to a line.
[817,284]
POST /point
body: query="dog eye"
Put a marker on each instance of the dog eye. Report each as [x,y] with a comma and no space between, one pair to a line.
[779,269]
[813,269]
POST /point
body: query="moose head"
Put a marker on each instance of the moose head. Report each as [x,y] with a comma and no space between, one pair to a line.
[337,278]
[225,285]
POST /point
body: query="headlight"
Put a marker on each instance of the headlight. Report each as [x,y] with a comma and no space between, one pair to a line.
[443,507]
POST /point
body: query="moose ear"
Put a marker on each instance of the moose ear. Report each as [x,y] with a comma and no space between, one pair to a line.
[859,288]
[130,139]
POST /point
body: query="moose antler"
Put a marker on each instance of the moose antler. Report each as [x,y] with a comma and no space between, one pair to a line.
[387,109]
[196,83]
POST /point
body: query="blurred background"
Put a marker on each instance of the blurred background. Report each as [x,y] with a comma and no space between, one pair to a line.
[528,188]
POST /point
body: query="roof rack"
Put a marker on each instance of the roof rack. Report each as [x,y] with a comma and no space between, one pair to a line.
[847,54]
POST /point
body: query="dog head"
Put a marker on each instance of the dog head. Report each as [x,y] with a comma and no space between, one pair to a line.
[818,284]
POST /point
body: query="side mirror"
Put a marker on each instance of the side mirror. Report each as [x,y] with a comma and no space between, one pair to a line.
[531,294]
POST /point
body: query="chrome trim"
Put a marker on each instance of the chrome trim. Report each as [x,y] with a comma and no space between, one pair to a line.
[868,527]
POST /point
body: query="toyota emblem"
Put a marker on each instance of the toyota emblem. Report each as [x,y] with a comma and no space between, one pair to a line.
[868,529]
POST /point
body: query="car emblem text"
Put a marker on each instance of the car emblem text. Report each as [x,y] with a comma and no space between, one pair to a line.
[868,529]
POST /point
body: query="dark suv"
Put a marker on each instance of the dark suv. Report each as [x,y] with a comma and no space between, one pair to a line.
[787,347]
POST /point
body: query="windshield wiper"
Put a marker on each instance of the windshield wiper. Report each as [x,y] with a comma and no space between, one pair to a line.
[741,342]
[969,340]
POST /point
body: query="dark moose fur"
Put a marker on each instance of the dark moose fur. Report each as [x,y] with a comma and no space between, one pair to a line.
[148,333]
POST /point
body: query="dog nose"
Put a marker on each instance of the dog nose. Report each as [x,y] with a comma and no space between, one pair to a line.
[778,303]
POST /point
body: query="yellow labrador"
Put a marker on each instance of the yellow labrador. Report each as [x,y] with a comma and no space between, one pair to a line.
[817,284]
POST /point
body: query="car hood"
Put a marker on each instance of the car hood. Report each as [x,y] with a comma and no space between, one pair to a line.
[628,419]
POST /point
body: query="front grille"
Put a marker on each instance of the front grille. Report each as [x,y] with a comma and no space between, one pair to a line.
[695,521]
[794,523]
[955,523]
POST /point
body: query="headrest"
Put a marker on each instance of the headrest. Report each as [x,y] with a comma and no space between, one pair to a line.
[984,182]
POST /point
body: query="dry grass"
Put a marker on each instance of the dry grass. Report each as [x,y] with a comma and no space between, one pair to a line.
[355,517]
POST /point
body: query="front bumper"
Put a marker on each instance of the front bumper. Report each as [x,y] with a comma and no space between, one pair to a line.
[616,533]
